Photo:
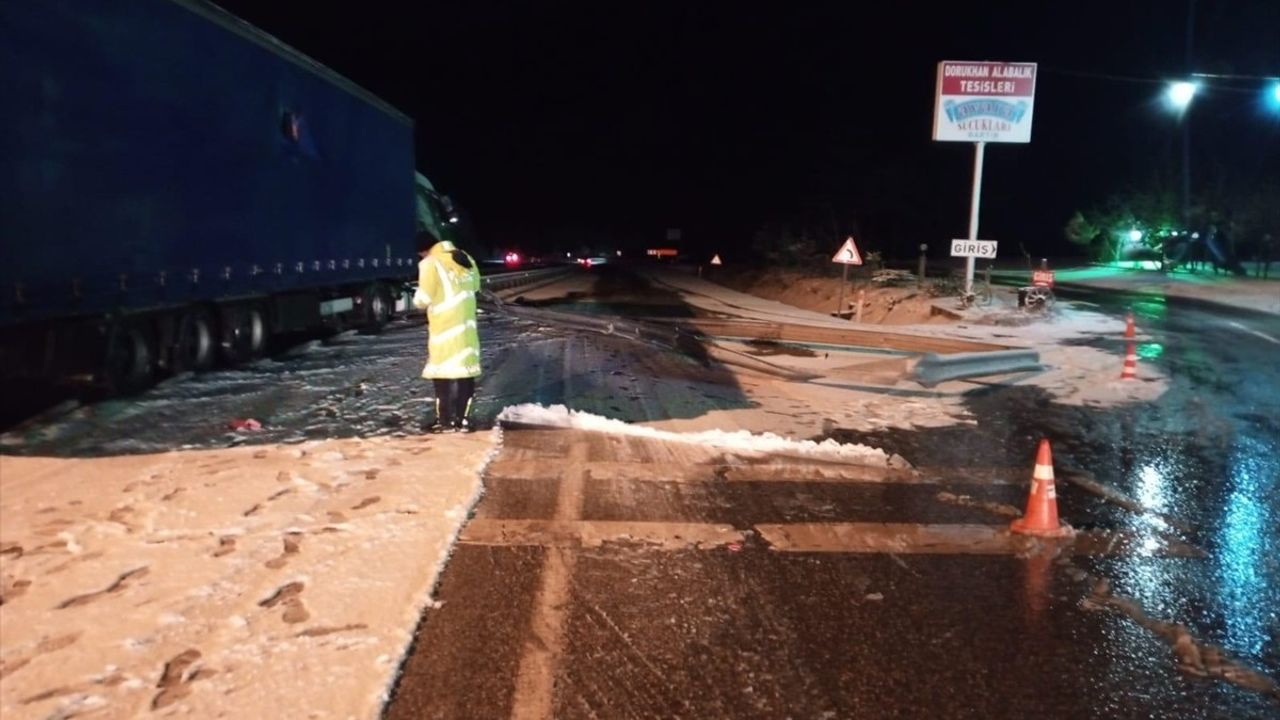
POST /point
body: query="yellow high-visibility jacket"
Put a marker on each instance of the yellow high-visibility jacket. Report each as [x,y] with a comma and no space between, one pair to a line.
[447,291]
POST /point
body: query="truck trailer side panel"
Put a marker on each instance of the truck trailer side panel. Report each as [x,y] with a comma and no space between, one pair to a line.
[157,153]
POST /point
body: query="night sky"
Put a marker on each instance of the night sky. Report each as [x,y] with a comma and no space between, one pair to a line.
[607,122]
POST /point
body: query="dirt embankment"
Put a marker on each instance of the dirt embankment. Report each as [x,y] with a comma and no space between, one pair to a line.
[886,304]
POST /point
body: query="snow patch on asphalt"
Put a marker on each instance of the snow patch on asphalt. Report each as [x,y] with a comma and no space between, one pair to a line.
[562,417]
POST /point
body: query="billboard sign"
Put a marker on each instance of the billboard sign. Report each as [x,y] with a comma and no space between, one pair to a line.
[984,101]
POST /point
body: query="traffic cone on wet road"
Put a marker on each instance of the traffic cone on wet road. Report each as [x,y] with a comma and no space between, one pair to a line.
[1041,517]
[1129,330]
[1130,370]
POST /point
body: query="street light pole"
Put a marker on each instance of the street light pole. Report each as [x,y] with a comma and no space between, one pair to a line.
[1186,124]
[1186,169]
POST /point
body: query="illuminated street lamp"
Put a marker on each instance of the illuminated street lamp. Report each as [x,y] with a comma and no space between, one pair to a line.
[1135,235]
[1181,92]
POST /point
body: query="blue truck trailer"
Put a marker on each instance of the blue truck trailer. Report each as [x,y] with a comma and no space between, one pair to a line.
[178,187]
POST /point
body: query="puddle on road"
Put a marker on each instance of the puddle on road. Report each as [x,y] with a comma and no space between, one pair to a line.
[1194,657]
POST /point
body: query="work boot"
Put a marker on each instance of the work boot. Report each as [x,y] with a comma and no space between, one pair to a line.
[463,425]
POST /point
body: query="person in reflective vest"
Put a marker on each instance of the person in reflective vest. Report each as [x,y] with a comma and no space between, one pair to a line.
[448,281]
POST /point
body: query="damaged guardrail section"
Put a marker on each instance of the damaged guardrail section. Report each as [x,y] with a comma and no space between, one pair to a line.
[934,368]
[503,281]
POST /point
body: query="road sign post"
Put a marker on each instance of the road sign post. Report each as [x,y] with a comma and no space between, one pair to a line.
[847,255]
[975,200]
[982,102]
[844,280]
[971,250]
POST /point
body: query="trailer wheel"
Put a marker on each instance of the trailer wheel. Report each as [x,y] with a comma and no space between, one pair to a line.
[193,345]
[377,308]
[126,362]
[244,334]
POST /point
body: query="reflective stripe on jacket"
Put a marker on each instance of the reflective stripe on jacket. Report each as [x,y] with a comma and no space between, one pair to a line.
[447,291]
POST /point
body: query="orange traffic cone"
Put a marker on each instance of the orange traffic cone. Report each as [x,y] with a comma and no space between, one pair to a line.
[1041,517]
[1130,370]
[1129,330]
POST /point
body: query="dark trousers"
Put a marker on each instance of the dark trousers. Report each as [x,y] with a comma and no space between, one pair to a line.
[453,399]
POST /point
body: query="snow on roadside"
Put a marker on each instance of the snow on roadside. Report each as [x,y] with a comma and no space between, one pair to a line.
[269,581]
[742,440]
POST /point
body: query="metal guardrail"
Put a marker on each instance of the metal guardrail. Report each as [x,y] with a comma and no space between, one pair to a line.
[673,337]
[827,335]
[934,368]
[504,281]
[490,283]
[685,334]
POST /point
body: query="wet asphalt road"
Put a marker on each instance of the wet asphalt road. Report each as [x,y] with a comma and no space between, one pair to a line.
[754,632]
[1206,453]
[718,632]
[644,631]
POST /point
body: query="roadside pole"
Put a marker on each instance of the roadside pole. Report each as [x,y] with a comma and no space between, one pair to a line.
[847,255]
[844,280]
[979,150]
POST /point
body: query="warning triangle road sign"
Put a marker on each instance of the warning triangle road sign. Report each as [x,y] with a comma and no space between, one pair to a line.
[848,253]
[716,260]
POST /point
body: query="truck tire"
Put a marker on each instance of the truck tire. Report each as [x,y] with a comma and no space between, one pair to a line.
[243,336]
[194,347]
[378,307]
[127,359]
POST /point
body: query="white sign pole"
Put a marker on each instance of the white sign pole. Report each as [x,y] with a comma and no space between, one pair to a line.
[847,255]
[844,280]
[979,149]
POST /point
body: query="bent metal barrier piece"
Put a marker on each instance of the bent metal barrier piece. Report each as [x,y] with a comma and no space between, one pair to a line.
[503,281]
[675,338]
[853,337]
[934,368]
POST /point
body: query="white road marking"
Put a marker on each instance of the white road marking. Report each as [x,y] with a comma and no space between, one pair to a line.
[1251,331]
